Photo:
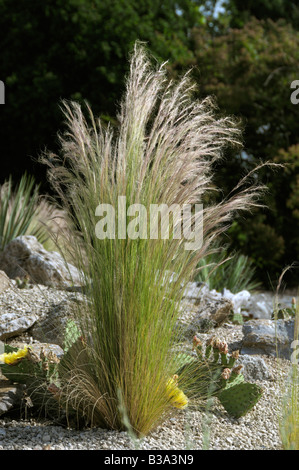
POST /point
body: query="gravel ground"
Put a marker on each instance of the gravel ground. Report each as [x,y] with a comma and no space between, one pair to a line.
[258,430]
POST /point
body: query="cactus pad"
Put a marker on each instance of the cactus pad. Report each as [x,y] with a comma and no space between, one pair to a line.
[240,399]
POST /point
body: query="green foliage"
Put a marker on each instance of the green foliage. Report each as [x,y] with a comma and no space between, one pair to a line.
[242,10]
[280,313]
[224,379]
[289,420]
[72,333]
[250,70]
[239,399]
[21,212]
[76,49]
[219,270]
[289,417]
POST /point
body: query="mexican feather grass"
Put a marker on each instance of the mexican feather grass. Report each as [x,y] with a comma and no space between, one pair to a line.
[162,152]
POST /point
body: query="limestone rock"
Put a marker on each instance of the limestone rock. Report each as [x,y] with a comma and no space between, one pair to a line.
[210,314]
[26,256]
[4,282]
[262,336]
[10,395]
[240,300]
[51,328]
[197,291]
[261,305]
[254,368]
[13,324]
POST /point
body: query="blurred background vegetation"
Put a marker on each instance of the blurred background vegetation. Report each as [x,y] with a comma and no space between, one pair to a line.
[244,52]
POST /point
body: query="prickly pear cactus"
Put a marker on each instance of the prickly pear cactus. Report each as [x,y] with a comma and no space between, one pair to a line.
[23,365]
[42,373]
[37,372]
[215,374]
[15,364]
[240,398]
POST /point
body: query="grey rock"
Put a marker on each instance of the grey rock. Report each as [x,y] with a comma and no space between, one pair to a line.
[262,305]
[217,311]
[51,328]
[194,292]
[10,395]
[26,256]
[198,292]
[46,438]
[4,282]
[210,314]
[14,324]
[268,337]
[254,368]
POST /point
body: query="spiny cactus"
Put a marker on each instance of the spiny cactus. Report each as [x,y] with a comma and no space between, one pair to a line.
[36,372]
[23,365]
[24,283]
[225,380]
[240,398]
[42,373]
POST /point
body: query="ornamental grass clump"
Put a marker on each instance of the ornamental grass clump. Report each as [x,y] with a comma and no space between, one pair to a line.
[162,152]
[24,212]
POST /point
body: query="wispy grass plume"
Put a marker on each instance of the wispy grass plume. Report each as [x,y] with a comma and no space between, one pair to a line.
[161,153]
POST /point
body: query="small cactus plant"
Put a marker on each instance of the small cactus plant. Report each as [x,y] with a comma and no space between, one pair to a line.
[285,313]
[22,365]
[24,283]
[36,372]
[225,379]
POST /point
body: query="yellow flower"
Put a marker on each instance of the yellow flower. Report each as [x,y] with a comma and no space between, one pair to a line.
[11,358]
[176,396]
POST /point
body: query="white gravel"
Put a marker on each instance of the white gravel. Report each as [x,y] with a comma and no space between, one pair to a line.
[189,429]
[258,430]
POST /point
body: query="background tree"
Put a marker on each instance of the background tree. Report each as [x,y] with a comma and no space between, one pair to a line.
[250,70]
[75,49]
[242,10]
[246,54]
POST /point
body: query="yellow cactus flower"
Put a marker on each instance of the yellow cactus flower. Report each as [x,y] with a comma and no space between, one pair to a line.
[13,357]
[177,397]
